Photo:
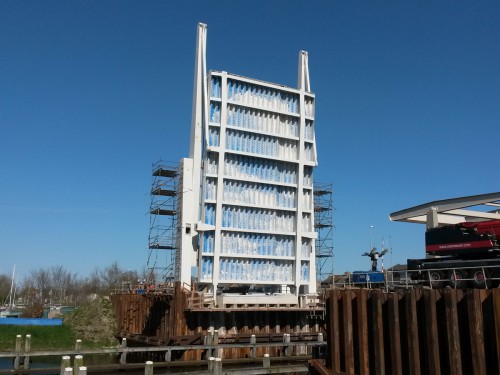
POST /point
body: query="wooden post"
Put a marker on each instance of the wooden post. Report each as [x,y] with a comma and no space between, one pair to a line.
[17,360]
[27,349]
[82,370]
[77,364]
[123,357]
[266,363]
[215,343]
[78,345]
[211,362]
[218,366]
[148,370]
[317,351]
[207,341]
[253,341]
[286,342]
[64,363]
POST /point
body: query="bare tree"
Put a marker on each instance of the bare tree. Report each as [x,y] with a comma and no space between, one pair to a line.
[112,276]
[92,284]
[40,280]
[4,288]
[65,287]
[60,281]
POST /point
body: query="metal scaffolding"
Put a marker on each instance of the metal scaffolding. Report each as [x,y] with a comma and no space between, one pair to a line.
[163,221]
[323,223]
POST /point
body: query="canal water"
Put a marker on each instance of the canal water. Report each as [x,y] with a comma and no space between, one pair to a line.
[55,362]
[6,364]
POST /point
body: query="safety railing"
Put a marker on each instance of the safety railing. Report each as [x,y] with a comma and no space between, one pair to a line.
[480,277]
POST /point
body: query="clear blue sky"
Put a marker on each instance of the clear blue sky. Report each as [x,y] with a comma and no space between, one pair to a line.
[93,92]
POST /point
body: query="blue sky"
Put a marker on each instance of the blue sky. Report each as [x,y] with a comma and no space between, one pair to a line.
[93,92]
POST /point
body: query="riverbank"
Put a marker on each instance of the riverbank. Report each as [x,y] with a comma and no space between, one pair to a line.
[93,323]
[42,338]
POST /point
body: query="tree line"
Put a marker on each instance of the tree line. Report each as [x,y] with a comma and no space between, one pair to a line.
[57,285]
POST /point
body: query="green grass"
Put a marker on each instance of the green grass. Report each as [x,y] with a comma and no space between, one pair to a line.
[42,338]
[93,323]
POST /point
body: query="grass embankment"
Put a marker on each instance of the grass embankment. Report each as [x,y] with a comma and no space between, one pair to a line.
[93,323]
[42,338]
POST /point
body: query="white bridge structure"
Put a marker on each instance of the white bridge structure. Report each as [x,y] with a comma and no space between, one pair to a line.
[473,208]
[246,207]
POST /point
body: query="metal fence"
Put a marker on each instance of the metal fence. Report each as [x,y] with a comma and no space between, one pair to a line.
[484,277]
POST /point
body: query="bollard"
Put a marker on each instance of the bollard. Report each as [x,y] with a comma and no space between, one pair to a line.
[168,356]
[27,349]
[78,345]
[318,350]
[253,351]
[213,340]
[218,366]
[211,362]
[68,371]
[266,361]
[77,364]
[148,370]
[17,360]
[82,370]
[64,363]
[123,356]
[286,341]
[217,352]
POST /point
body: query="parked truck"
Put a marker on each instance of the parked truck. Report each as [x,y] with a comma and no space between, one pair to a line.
[460,255]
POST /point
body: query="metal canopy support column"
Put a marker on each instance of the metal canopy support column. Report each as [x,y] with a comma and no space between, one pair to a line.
[432,218]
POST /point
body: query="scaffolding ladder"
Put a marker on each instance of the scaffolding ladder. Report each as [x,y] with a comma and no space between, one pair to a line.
[323,223]
[163,222]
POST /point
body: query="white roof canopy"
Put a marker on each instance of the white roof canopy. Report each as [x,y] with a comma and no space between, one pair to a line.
[452,211]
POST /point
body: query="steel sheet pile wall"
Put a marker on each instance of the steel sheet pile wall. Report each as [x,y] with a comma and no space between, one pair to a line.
[143,316]
[165,320]
[151,317]
[413,332]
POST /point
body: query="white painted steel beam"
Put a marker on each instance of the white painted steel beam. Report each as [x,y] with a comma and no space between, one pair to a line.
[303,81]
[192,167]
[474,214]
[451,211]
